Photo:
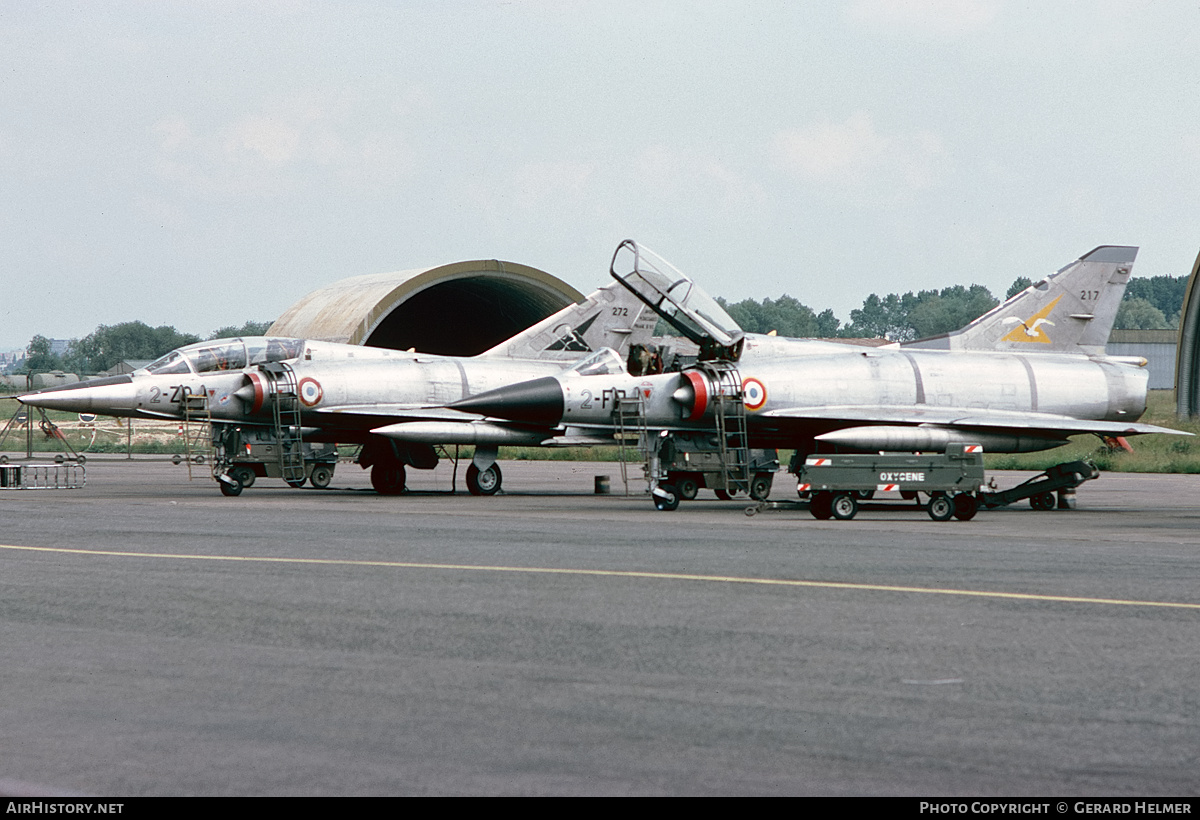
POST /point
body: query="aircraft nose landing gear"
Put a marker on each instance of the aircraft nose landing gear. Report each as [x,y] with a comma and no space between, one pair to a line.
[484,482]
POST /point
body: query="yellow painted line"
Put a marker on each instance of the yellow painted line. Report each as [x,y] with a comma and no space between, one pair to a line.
[612,573]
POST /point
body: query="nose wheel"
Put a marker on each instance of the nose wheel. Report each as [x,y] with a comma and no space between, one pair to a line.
[484,482]
[230,485]
[666,498]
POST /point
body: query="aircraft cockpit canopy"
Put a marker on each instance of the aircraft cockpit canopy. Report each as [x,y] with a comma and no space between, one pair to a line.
[226,354]
[674,296]
[603,362]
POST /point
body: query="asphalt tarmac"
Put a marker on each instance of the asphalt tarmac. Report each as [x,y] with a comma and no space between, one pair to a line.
[158,638]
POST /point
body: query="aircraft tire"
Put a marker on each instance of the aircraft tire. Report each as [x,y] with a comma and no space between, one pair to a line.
[965,506]
[688,487]
[844,506]
[230,490]
[320,476]
[670,501]
[484,482]
[388,478]
[821,506]
[941,508]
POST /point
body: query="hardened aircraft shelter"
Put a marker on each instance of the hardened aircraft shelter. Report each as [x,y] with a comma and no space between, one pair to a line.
[459,309]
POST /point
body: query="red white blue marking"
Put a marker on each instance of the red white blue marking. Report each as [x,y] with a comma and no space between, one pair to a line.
[310,392]
[754,394]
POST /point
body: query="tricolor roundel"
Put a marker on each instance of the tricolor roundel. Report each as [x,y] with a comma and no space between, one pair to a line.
[754,394]
[310,392]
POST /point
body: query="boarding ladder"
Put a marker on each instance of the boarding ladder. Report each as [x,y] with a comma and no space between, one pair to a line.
[629,417]
[729,419]
[198,444]
[285,414]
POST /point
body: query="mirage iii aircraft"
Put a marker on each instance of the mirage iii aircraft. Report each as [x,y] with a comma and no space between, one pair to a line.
[286,396]
[1023,377]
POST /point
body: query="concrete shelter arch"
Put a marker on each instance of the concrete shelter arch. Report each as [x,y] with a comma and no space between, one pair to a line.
[459,309]
[1187,355]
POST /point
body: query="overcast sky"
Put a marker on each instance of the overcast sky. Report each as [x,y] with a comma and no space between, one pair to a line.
[200,164]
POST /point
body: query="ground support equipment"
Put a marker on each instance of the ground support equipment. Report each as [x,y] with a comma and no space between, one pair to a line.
[679,464]
[42,476]
[245,452]
[1053,488]
[694,461]
[836,484]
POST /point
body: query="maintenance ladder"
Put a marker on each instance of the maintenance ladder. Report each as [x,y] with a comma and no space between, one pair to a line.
[629,414]
[197,445]
[285,414]
[729,419]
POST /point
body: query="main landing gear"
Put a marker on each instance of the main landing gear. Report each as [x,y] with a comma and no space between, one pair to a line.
[388,477]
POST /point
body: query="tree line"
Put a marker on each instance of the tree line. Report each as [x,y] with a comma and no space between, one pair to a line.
[109,345]
[1151,303]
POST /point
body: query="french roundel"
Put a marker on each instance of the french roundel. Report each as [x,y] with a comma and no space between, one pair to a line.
[310,391]
[754,394]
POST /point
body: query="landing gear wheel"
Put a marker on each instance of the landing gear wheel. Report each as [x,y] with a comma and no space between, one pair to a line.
[230,489]
[244,475]
[388,478]
[941,508]
[965,506]
[484,482]
[688,488]
[1042,501]
[821,506]
[668,502]
[760,487]
[320,476]
[844,506]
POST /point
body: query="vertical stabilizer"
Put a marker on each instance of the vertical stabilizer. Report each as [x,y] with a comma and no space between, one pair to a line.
[1070,311]
[609,317]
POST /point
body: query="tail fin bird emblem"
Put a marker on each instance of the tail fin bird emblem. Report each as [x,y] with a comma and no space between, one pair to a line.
[1031,329]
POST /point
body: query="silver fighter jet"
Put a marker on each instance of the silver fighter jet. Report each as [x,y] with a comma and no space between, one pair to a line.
[287,396]
[1023,377]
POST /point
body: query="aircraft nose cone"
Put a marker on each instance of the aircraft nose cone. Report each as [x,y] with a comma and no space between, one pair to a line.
[539,401]
[110,396]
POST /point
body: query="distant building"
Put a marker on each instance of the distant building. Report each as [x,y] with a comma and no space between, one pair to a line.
[1157,347]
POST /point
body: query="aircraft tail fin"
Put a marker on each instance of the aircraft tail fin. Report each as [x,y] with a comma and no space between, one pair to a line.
[610,317]
[1070,311]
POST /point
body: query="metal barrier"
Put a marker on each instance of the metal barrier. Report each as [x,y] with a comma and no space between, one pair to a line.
[42,476]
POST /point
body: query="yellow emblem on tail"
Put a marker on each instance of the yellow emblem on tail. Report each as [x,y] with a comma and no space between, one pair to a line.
[1031,329]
